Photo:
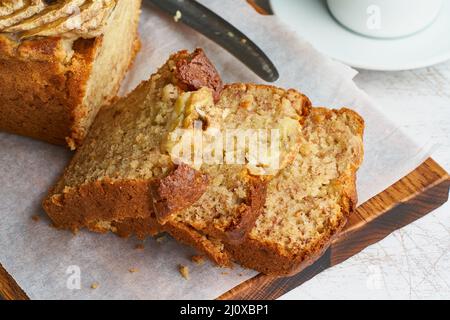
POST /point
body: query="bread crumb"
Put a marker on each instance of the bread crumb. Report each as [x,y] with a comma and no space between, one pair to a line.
[198,260]
[133,270]
[184,271]
[71,143]
[94,285]
[139,246]
[36,218]
[177,16]
[160,239]
[225,273]
[243,40]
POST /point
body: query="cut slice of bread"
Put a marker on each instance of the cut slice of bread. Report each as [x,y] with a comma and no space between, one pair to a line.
[127,167]
[309,202]
[307,205]
[60,62]
[120,166]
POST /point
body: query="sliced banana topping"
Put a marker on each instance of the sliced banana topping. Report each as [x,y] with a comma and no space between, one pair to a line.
[48,15]
[65,18]
[9,6]
[29,8]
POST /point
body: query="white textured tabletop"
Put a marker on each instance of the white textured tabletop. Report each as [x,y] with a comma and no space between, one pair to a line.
[413,262]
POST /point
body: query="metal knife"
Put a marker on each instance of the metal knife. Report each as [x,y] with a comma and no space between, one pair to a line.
[214,27]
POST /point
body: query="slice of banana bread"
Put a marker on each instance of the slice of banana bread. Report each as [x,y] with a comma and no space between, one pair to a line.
[116,171]
[60,61]
[309,202]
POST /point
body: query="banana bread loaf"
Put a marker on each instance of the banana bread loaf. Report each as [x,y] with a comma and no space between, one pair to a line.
[60,62]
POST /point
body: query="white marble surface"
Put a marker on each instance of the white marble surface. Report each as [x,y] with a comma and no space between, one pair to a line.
[413,262]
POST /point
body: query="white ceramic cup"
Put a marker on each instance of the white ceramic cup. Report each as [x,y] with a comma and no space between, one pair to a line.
[385,18]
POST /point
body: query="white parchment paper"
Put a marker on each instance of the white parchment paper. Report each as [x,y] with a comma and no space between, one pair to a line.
[45,262]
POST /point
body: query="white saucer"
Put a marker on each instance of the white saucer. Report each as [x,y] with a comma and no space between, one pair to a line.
[312,20]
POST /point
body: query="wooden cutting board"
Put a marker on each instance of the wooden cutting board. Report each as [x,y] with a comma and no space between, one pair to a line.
[411,198]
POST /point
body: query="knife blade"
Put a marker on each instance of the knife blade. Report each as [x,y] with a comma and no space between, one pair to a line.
[214,27]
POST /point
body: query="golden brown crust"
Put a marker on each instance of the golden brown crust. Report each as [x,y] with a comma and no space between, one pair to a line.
[305,103]
[251,253]
[144,227]
[196,71]
[140,227]
[262,257]
[249,211]
[212,248]
[43,85]
[268,259]
[177,191]
[38,92]
[98,202]
[127,207]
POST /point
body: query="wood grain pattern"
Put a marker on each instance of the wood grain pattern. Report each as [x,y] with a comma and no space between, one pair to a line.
[9,290]
[412,197]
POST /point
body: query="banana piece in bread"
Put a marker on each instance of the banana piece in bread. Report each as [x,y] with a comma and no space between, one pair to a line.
[61,61]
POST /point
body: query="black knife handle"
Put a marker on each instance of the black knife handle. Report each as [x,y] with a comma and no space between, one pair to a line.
[223,33]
